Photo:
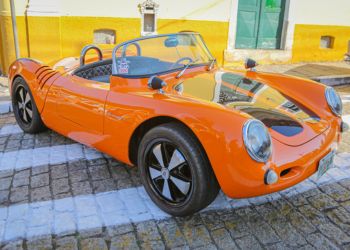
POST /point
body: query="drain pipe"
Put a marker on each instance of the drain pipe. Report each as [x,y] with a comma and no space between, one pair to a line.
[14,28]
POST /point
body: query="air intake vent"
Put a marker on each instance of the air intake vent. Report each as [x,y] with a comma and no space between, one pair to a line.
[43,74]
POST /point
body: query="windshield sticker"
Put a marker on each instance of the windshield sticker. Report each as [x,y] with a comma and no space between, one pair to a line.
[123,66]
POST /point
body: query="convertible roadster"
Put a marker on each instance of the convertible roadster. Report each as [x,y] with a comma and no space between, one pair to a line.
[162,103]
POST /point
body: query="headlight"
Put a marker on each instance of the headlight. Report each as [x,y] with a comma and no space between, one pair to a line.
[334,101]
[257,140]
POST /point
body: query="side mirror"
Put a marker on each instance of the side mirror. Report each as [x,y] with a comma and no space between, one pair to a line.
[250,64]
[171,42]
[156,83]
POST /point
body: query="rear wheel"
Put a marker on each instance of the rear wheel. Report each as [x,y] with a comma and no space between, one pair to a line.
[24,108]
[175,171]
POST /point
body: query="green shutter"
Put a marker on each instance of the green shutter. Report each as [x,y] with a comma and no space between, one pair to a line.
[259,24]
[247,23]
[270,26]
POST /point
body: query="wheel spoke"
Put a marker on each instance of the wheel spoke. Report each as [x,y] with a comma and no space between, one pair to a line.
[158,154]
[27,98]
[155,173]
[166,190]
[176,160]
[25,115]
[183,186]
[30,113]
[21,94]
[20,105]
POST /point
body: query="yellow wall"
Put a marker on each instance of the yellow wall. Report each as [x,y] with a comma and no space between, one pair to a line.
[51,38]
[306,44]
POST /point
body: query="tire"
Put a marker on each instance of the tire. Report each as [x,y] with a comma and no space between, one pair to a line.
[175,170]
[24,108]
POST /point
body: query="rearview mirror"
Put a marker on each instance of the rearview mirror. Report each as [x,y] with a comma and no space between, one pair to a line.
[250,64]
[171,42]
[156,83]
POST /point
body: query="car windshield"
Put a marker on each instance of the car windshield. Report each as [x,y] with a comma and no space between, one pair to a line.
[160,54]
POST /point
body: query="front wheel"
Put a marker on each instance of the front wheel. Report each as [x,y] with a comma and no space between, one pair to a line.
[24,108]
[175,171]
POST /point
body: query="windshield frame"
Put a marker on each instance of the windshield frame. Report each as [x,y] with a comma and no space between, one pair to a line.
[116,48]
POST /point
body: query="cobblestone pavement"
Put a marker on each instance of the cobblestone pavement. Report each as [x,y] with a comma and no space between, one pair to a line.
[67,196]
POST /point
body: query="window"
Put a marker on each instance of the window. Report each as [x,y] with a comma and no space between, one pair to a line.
[148,11]
[104,36]
[327,42]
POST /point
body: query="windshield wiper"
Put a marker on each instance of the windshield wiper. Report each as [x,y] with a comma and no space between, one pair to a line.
[212,63]
[185,68]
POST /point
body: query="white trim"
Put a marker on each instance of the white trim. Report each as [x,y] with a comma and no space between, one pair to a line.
[231,42]
[280,55]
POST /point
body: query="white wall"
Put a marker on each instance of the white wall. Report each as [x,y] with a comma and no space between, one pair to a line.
[322,12]
[211,10]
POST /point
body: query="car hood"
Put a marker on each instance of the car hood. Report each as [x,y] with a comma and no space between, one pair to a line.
[289,121]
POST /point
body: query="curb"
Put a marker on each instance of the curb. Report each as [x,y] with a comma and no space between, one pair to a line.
[334,80]
[5,107]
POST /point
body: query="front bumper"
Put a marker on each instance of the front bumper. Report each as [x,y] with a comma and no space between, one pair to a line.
[291,164]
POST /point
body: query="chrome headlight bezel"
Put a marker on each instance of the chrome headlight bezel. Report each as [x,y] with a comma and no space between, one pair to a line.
[248,145]
[333,99]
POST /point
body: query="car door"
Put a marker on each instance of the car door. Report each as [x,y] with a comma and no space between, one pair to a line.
[82,102]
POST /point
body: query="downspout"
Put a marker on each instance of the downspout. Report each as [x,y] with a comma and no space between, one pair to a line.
[14,28]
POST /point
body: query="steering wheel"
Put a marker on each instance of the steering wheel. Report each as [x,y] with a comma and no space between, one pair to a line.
[180,60]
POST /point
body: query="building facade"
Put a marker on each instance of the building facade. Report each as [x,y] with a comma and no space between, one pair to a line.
[270,31]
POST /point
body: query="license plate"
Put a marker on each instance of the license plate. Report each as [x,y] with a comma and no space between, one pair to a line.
[325,164]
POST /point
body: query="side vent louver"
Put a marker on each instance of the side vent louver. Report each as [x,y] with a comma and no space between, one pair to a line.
[43,74]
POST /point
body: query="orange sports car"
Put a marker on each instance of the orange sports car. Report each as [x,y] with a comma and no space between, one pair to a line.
[161,103]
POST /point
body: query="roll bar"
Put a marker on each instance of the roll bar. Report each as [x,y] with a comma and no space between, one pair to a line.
[86,49]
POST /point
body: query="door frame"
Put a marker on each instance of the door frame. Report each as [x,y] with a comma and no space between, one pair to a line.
[286,36]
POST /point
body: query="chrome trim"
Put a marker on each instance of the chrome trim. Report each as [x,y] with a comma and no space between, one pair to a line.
[248,147]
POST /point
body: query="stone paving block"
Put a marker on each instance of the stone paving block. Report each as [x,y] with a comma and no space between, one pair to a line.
[40,244]
[85,206]
[126,241]
[40,169]
[19,194]
[59,171]
[79,175]
[322,202]
[4,196]
[15,245]
[223,239]
[93,244]
[99,172]
[154,245]
[147,231]
[67,243]
[65,223]
[340,217]
[197,236]
[5,183]
[15,229]
[334,233]
[64,205]
[81,188]
[288,234]
[119,230]
[40,194]
[171,233]
[320,242]
[248,242]
[89,222]
[60,186]
[40,180]
[40,216]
